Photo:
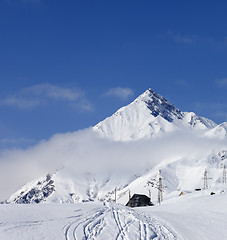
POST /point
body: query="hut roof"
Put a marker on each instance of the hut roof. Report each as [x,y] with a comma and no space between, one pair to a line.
[139,200]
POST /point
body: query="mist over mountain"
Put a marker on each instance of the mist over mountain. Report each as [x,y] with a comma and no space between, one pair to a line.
[121,152]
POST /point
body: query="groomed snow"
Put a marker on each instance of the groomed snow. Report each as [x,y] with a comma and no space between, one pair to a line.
[197,215]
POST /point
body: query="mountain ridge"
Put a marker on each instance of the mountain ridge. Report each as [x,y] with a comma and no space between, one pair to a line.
[179,142]
[150,114]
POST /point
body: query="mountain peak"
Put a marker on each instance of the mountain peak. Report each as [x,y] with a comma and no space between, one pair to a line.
[148,115]
[159,106]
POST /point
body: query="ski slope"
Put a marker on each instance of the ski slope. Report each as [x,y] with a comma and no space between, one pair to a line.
[79,221]
[192,216]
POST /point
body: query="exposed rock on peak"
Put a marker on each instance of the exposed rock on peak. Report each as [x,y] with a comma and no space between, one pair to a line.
[34,192]
[149,115]
[158,105]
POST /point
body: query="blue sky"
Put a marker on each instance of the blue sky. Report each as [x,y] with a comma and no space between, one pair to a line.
[66,65]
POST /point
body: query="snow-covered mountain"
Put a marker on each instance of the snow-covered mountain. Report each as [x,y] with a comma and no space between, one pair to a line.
[219,131]
[149,115]
[182,174]
[175,142]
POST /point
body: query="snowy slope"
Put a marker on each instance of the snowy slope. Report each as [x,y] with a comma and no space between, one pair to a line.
[101,163]
[180,175]
[180,147]
[219,131]
[63,187]
[80,221]
[149,115]
[197,216]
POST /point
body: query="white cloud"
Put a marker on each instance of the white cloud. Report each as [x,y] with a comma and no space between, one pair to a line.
[122,93]
[21,102]
[15,140]
[42,94]
[182,83]
[54,92]
[179,38]
[85,105]
[222,82]
[84,151]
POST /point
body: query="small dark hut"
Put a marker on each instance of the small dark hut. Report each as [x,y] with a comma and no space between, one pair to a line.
[197,189]
[139,200]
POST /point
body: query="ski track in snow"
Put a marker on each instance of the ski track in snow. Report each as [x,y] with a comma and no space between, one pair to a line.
[89,225]
[110,221]
[113,222]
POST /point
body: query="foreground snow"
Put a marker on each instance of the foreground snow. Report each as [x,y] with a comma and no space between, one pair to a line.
[194,216]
